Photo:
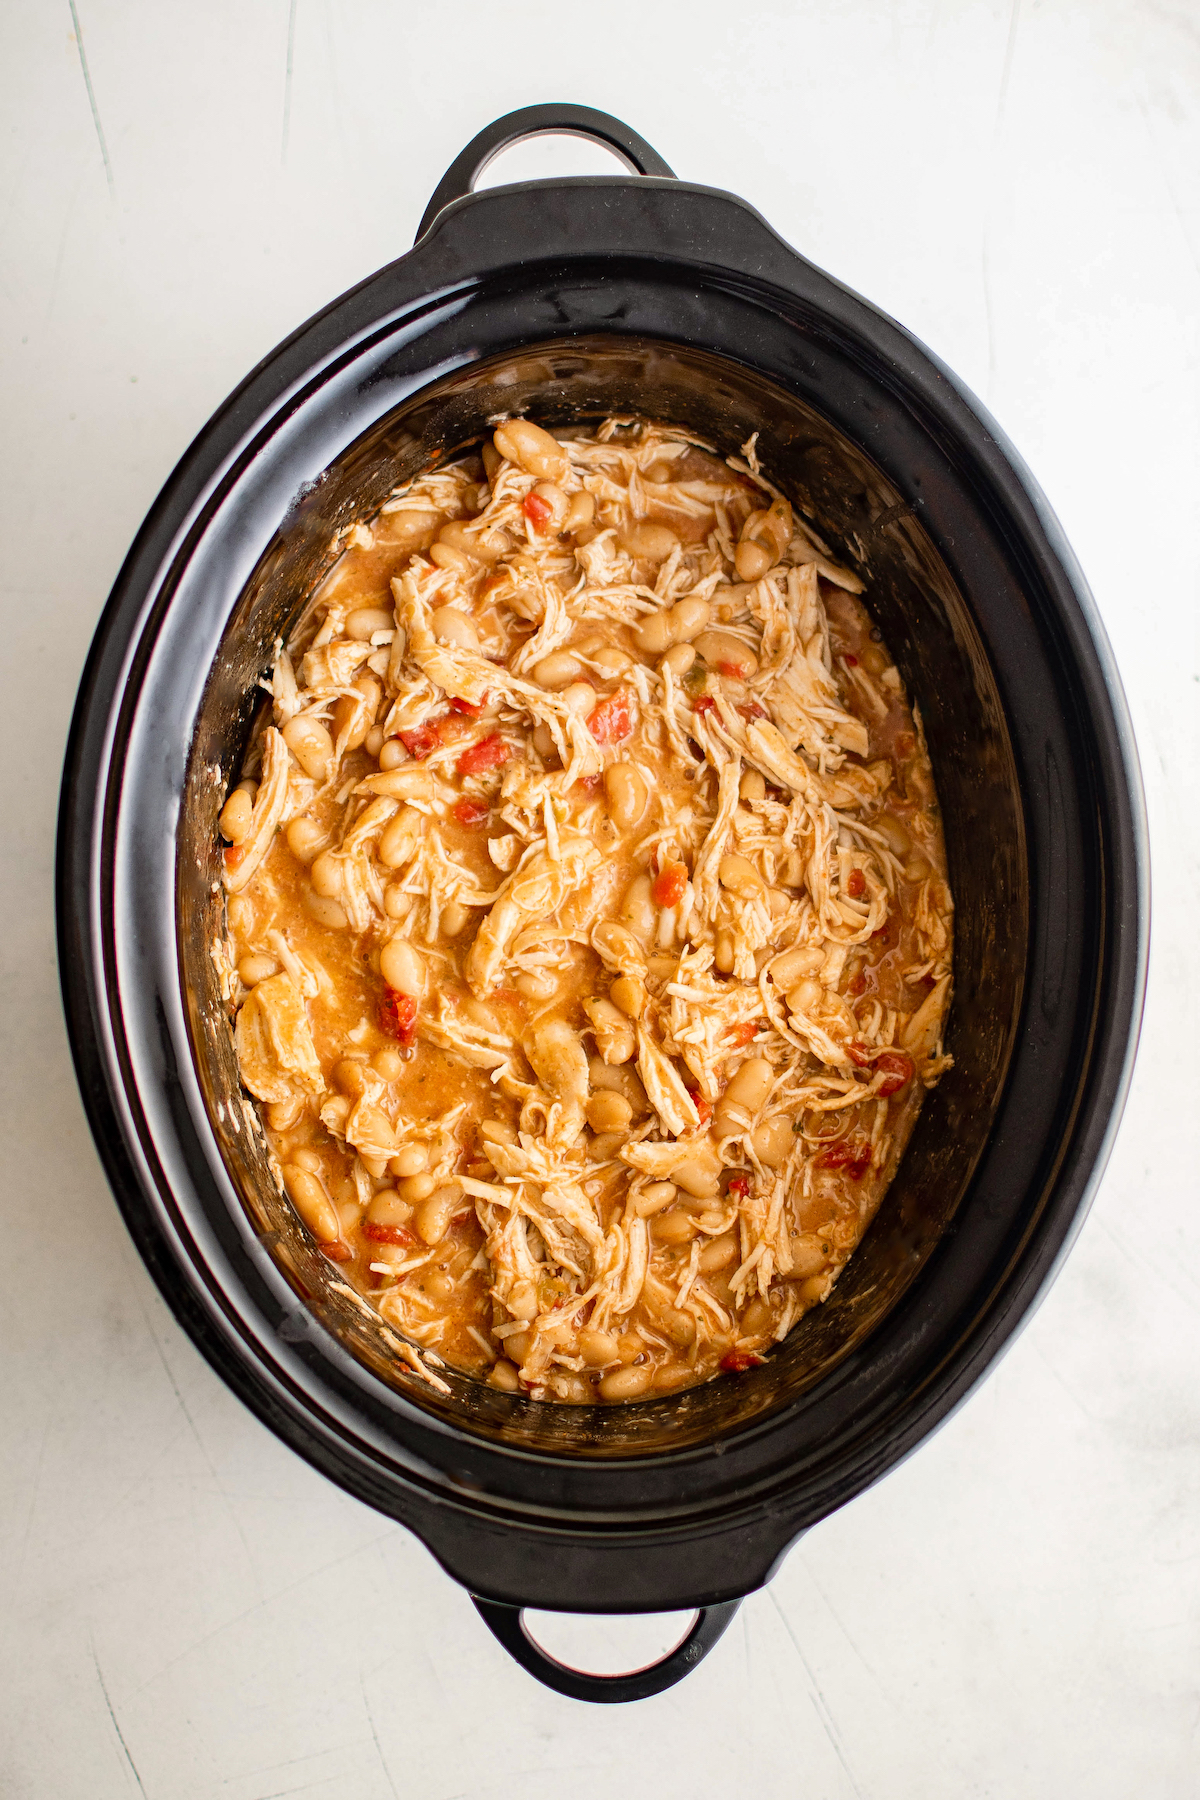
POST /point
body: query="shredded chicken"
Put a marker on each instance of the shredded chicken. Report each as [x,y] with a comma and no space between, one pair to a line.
[589,929]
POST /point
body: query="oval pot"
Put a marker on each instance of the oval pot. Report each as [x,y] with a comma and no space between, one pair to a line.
[572,299]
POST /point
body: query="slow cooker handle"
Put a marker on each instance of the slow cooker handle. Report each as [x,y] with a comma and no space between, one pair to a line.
[537,121]
[507,1624]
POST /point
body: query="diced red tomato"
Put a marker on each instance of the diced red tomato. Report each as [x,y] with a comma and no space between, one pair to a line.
[398,1016]
[703,1107]
[667,887]
[388,1234]
[736,671]
[489,753]
[335,1250]
[419,741]
[704,704]
[896,1069]
[739,1187]
[858,1053]
[738,1361]
[611,721]
[233,855]
[853,1156]
[589,783]
[856,884]
[539,512]
[741,1034]
[851,661]
[471,812]
[752,710]
[465,706]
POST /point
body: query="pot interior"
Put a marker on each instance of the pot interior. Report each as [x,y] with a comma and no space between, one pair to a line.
[929,627]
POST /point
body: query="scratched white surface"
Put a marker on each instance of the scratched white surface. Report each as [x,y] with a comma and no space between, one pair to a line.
[188,1611]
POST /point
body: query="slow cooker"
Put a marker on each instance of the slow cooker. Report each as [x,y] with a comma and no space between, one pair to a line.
[571,300]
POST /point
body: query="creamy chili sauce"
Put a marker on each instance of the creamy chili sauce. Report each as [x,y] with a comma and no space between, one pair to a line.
[589,930]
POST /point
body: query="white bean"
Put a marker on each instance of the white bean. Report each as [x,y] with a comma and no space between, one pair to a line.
[410,1159]
[402,968]
[580,513]
[450,626]
[612,661]
[718,1253]
[415,1187]
[454,920]
[654,1197]
[624,794]
[539,985]
[532,449]
[432,1217]
[304,839]
[629,994]
[615,1037]
[746,1092]
[722,651]
[688,618]
[647,540]
[311,1202]
[365,621]
[740,876]
[254,969]
[236,815]
[626,1384]
[400,838]
[555,499]
[699,1175]
[809,1255]
[679,659]
[310,744]
[805,995]
[354,714]
[607,1111]
[787,969]
[598,1347]
[412,782]
[558,670]
[326,912]
[639,909]
[751,1084]
[580,697]
[772,1142]
[327,875]
[559,1060]
[655,634]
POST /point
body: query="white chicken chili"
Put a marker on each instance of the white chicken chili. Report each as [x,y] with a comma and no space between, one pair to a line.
[588,922]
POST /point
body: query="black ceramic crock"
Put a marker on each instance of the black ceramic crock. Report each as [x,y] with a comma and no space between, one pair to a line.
[571,300]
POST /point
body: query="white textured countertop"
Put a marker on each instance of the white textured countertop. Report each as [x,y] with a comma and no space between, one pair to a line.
[189,1612]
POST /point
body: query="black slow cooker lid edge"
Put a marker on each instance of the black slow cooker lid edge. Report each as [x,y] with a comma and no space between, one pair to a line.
[85,1019]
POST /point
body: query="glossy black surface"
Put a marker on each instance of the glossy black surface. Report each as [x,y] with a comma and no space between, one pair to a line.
[507,1626]
[536,121]
[679,301]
